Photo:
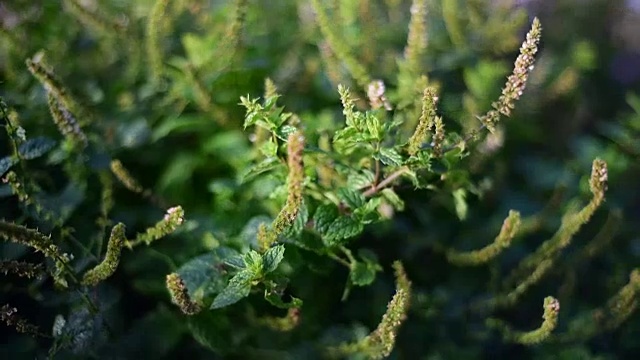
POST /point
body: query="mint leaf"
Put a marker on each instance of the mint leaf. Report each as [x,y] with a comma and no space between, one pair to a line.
[324,216]
[284,132]
[236,262]
[353,198]
[393,199]
[269,148]
[368,213]
[360,180]
[203,276]
[373,125]
[341,229]
[211,330]
[253,261]
[6,163]
[238,288]
[275,299]
[362,274]
[272,258]
[265,165]
[389,157]
[34,148]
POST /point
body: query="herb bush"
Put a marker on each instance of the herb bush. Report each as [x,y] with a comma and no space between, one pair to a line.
[323,179]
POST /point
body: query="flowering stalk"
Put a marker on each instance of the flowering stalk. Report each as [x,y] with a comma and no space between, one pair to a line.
[380,343]
[110,263]
[180,295]
[295,147]
[571,224]
[156,26]
[41,71]
[171,221]
[21,268]
[282,324]
[66,122]
[417,38]
[608,317]
[509,229]
[551,309]
[517,81]
[340,48]
[9,316]
[426,121]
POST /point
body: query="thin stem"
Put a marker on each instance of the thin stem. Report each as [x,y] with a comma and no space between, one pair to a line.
[386,182]
[339,259]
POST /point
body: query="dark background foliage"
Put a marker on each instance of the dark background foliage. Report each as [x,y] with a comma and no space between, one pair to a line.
[582,102]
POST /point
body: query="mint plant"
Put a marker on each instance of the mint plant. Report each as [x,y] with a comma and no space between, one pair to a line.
[191,183]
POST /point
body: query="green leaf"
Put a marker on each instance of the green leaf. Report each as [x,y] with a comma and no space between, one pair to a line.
[275,299]
[198,49]
[269,148]
[204,274]
[369,212]
[239,287]
[389,156]
[373,126]
[182,123]
[362,274]
[354,199]
[211,330]
[253,262]
[265,165]
[284,131]
[36,147]
[341,229]
[6,163]
[271,258]
[360,180]
[299,223]
[393,199]
[460,203]
[236,262]
[249,234]
[324,216]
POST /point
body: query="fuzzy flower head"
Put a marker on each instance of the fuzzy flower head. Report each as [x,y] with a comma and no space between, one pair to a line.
[599,178]
[174,215]
[375,93]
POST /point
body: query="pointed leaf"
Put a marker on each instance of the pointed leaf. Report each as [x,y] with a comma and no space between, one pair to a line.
[36,147]
[341,229]
[362,274]
[272,258]
[324,216]
[6,163]
[389,157]
[203,275]
[354,199]
[238,288]
[265,165]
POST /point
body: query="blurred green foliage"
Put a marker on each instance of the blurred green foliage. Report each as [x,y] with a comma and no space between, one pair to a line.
[173,100]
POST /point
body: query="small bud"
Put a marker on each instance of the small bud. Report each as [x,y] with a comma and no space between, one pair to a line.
[599,177]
